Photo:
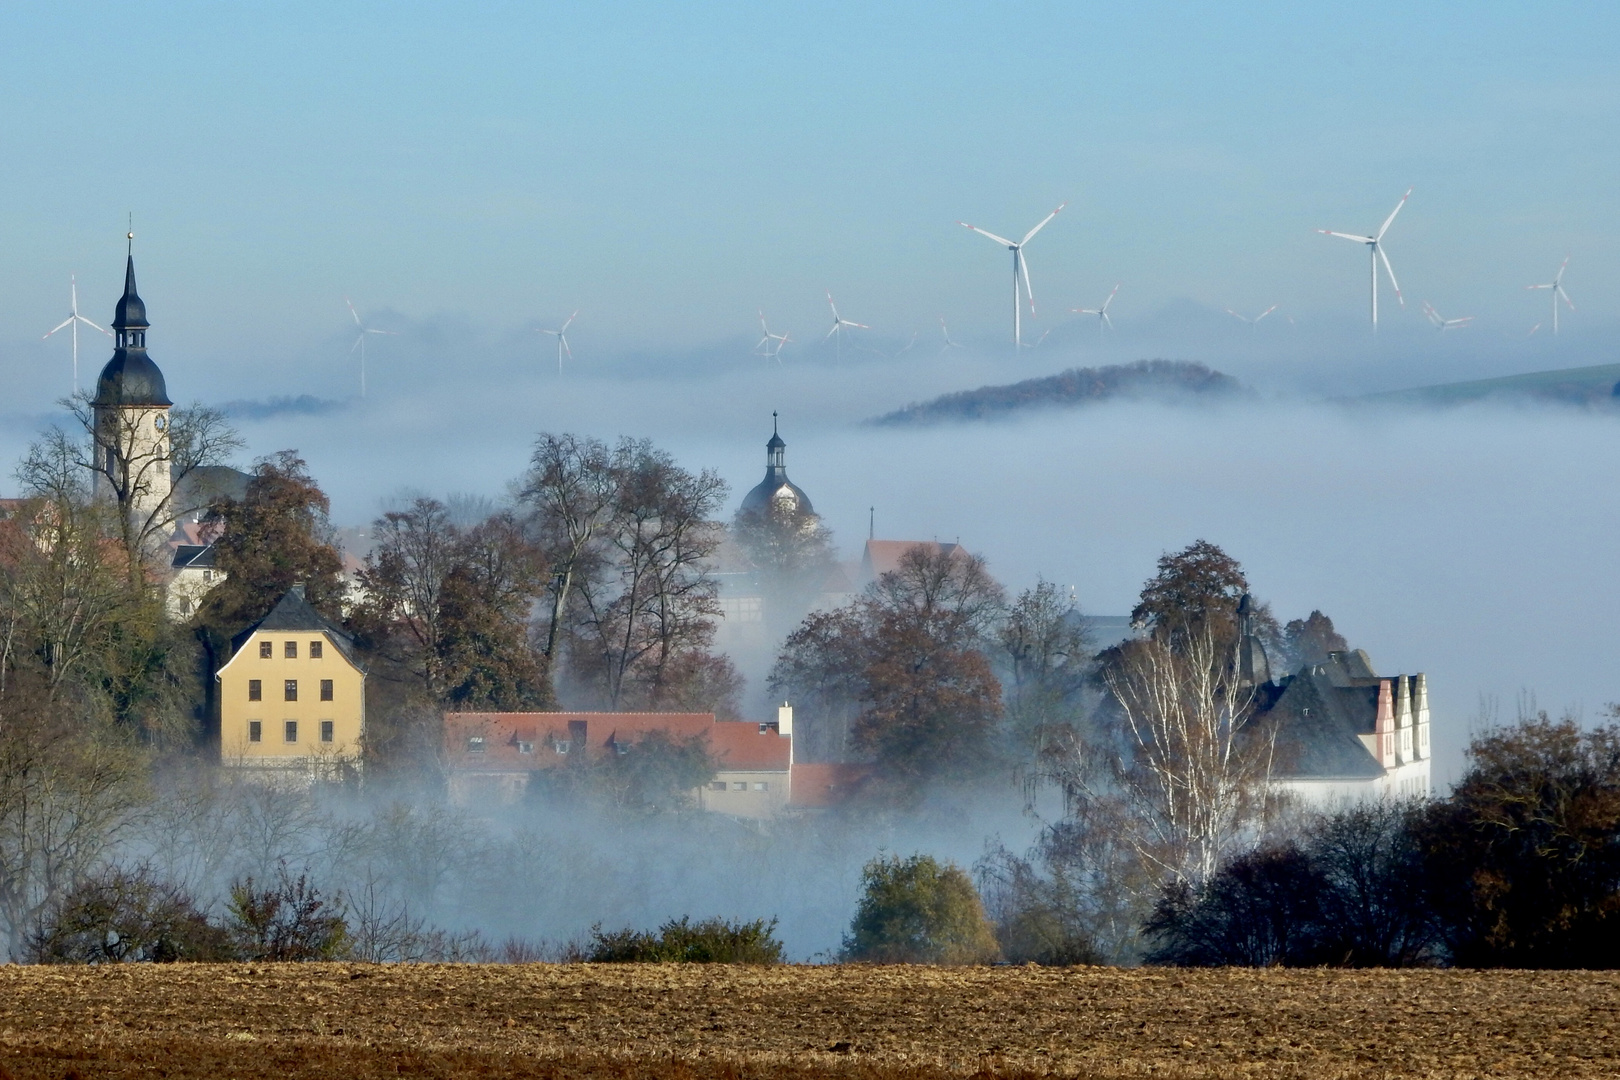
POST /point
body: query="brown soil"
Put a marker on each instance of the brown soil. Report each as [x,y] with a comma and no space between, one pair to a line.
[797,1023]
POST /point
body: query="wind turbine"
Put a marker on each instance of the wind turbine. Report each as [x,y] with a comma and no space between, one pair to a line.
[360,342]
[1557,287]
[1101,312]
[949,344]
[1375,245]
[71,324]
[1442,323]
[770,345]
[561,334]
[839,322]
[1020,268]
[1254,321]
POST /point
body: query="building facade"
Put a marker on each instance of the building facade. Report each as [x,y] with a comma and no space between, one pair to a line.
[292,697]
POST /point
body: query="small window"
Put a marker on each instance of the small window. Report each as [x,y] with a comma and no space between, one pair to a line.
[621,747]
[739,785]
[315,650]
[718,785]
[561,746]
[290,650]
[525,747]
[326,689]
[326,731]
[289,690]
[762,785]
[290,731]
[475,744]
[208,575]
[255,731]
[255,690]
[264,650]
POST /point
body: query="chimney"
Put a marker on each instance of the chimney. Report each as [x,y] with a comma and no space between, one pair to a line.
[297,589]
[1403,718]
[784,719]
[1420,713]
[1384,726]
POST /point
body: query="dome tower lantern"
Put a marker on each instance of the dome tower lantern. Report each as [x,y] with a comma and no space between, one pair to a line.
[776,490]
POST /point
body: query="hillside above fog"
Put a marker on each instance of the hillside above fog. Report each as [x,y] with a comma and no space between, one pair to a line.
[1149,379]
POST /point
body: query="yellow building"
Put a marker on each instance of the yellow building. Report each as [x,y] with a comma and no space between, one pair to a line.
[292,698]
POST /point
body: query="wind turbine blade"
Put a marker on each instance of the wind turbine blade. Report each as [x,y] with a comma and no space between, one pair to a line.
[1031,234]
[991,235]
[1094,311]
[353,312]
[88,323]
[1235,315]
[1266,312]
[1106,320]
[1392,280]
[1390,220]
[1348,236]
[1549,285]
[858,325]
[1023,267]
[1560,275]
[65,323]
[1559,291]
[570,322]
[564,342]
[357,343]
[833,306]
[1110,300]
[834,330]
[390,333]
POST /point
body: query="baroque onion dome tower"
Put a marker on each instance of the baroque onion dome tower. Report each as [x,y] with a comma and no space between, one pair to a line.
[776,491]
[131,416]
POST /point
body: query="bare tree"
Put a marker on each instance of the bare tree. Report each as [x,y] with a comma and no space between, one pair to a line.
[147,487]
[1047,656]
[416,550]
[1192,770]
[67,796]
[655,599]
[570,489]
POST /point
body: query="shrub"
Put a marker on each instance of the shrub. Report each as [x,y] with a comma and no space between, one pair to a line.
[123,916]
[712,941]
[917,910]
[290,920]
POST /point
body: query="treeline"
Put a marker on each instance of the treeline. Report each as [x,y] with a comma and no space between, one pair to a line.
[1518,867]
[1162,379]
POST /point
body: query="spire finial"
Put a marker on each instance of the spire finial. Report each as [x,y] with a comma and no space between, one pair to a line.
[871,523]
[130,236]
[773,423]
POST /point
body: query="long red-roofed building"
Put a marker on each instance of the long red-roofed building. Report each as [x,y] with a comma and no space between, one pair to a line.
[491,756]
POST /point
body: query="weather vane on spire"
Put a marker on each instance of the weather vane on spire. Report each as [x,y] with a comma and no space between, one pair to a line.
[130,236]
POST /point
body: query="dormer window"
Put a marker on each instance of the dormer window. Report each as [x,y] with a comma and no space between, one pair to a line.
[475,744]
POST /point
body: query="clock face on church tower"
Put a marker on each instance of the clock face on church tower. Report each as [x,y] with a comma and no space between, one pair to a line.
[161,422]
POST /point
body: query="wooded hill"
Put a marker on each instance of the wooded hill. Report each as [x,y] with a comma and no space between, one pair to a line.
[1154,379]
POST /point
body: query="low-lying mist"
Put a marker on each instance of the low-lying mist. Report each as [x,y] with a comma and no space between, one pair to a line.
[1471,543]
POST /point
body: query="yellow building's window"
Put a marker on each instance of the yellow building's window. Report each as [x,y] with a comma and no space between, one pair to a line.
[739,785]
[762,786]
[289,690]
[326,731]
[718,785]
[290,650]
[326,689]
[255,731]
[255,690]
[314,650]
[290,731]
[264,650]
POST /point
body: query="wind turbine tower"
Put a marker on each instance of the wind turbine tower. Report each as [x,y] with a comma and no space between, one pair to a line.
[1020,268]
[1557,287]
[561,334]
[360,342]
[71,324]
[1375,245]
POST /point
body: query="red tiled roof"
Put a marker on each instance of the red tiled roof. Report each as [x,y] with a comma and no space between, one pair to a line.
[883,556]
[739,744]
[822,784]
[503,731]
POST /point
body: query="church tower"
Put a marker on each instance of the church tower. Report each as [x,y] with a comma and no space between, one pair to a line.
[131,416]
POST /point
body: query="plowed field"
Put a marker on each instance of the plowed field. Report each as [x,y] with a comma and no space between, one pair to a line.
[343,1020]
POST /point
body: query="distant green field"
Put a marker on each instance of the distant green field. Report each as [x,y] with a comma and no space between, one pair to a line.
[1582,385]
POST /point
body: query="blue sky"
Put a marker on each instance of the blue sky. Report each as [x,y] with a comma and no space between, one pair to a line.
[670,168]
